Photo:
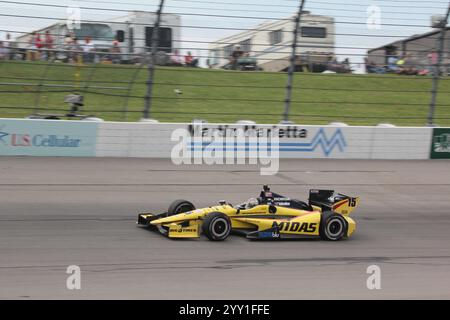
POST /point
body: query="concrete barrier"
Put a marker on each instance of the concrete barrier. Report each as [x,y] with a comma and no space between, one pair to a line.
[154,140]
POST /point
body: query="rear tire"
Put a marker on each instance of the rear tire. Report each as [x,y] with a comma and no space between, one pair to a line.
[180,206]
[333,226]
[216,226]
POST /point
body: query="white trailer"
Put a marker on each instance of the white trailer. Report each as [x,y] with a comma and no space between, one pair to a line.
[270,43]
[134,32]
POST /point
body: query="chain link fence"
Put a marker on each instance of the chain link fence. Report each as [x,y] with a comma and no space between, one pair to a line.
[307,62]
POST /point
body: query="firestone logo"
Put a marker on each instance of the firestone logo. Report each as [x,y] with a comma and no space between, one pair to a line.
[38,140]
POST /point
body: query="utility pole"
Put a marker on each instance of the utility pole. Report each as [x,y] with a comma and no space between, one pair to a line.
[287,101]
[437,69]
[151,65]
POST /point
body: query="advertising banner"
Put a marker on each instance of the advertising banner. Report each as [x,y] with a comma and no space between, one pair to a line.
[440,144]
[47,138]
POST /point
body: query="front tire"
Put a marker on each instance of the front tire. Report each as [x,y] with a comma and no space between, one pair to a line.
[333,227]
[180,206]
[216,226]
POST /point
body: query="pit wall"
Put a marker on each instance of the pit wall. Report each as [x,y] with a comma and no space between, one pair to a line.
[148,140]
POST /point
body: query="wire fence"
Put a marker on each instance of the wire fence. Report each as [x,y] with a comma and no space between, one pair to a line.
[307,62]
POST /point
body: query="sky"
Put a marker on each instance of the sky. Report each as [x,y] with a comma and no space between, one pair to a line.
[399,18]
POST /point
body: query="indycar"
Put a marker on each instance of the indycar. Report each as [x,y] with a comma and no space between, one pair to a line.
[270,216]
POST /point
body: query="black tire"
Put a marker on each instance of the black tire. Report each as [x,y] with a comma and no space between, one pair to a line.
[180,206]
[216,226]
[333,226]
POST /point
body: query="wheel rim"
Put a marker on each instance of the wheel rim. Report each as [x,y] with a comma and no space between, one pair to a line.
[220,227]
[334,228]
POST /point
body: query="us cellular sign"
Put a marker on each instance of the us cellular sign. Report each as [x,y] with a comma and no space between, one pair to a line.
[47,138]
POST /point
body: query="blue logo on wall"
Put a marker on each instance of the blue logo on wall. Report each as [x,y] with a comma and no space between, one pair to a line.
[2,136]
[320,141]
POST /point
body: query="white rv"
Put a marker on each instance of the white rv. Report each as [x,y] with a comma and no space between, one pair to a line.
[133,31]
[270,43]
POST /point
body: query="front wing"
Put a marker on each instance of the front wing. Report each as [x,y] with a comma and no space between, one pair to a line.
[173,230]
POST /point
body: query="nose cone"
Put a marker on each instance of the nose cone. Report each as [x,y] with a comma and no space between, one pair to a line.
[171,219]
[159,221]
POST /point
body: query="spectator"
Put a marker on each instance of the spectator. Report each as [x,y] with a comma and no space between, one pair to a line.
[371,67]
[190,61]
[48,45]
[7,44]
[175,59]
[346,65]
[406,65]
[69,47]
[3,51]
[88,50]
[68,39]
[35,46]
[115,50]
[432,61]
[393,63]
[333,64]
[235,55]
[410,66]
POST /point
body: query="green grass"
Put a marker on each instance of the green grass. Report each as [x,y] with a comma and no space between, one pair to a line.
[317,98]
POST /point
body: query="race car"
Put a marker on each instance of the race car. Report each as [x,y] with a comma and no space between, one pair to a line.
[270,216]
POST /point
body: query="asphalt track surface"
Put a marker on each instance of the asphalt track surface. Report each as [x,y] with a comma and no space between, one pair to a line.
[56,212]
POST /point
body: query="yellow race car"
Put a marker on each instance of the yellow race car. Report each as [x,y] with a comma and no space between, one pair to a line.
[270,216]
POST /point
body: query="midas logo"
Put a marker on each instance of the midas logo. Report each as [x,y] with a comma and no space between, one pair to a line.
[295,227]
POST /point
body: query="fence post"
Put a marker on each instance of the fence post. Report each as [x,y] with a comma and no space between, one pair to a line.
[437,69]
[287,101]
[151,65]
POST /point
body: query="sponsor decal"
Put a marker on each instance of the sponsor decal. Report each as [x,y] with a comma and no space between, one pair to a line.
[183,230]
[38,140]
[295,227]
[268,235]
[320,141]
[249,131]
[440,145]
[47,138]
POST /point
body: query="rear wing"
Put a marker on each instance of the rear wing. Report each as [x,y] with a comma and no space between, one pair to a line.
[331,201]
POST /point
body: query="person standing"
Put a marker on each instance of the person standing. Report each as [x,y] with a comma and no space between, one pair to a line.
[48,45]
[7,44]
[88,50]
[432,61]
[115,52]
[68,50]
[35,46]
[3,51]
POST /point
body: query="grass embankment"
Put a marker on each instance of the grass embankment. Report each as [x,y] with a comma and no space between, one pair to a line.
[224,96]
